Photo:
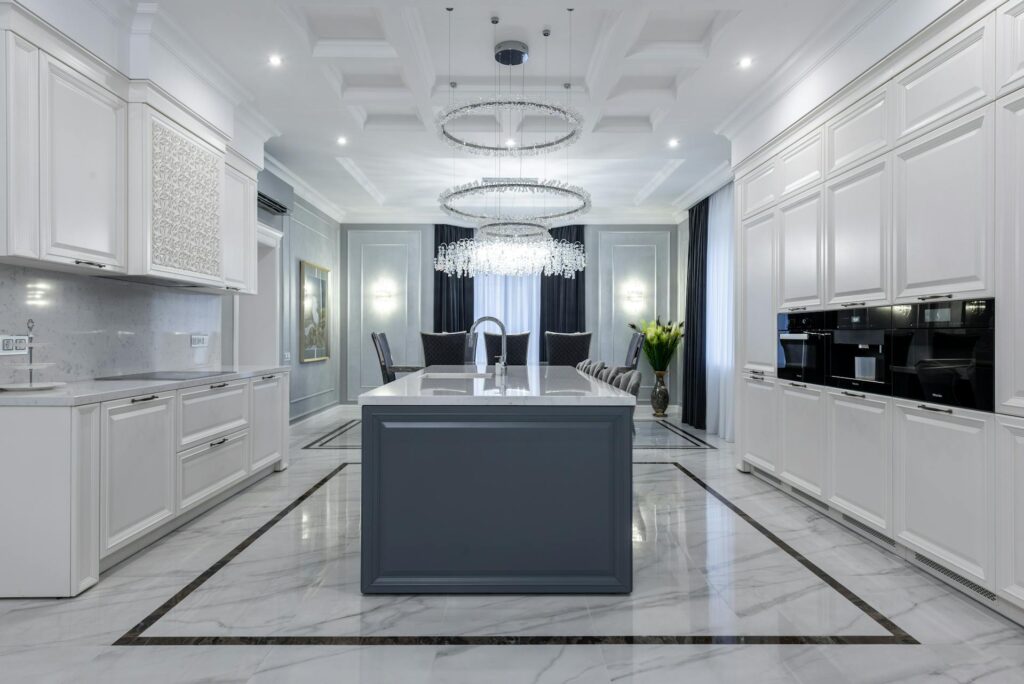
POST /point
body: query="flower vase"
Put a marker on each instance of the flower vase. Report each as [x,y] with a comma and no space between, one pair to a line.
[659,395]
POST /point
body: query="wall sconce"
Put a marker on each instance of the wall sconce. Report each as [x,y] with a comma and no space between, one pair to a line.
[383,292]
[635,297]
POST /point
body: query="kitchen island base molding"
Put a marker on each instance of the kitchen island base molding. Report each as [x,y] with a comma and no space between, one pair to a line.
[502,499]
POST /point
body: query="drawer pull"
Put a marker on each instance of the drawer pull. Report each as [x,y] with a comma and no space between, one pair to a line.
[942,296]
[926,407]
[854,395]
[219,385]
[268,377]
[151,397]
[220,441]
[847,306]
[797,384]
[94,264]
[756,372]
[797,308]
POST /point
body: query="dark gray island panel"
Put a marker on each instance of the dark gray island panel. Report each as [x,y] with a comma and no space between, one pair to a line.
[497,499]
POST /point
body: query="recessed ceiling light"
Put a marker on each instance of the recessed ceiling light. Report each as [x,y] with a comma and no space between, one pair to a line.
[510,142]
[745,62]
[275,60]
[674,142]
[342,140]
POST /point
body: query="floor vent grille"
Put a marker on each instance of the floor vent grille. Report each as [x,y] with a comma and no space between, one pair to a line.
[808,498]
[959,579]
[767,476]
[867,529]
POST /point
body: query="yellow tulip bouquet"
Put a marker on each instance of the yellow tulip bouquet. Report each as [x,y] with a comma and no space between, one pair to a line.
[661,342]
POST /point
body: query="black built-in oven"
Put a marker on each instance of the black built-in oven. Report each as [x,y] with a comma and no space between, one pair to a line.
[944,353]
[803,347]
[858,354]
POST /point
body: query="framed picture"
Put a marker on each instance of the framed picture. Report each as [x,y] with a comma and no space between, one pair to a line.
[314,323]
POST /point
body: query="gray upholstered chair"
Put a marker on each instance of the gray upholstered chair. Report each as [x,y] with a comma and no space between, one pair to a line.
[444,349]
[516,347]
[594,368]
[566,349]
[636,345]
[582,364]
[388,369]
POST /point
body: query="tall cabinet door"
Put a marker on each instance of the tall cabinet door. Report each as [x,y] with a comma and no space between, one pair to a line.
[20,174]
[758,260]
[802,436]
[1010,254]
[83,163]
[759,423]
[239,231]
[943,218]
[1010,509]
[857,236]
[800,251]
[859,457]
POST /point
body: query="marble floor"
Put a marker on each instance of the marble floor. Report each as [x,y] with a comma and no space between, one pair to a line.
[734,581]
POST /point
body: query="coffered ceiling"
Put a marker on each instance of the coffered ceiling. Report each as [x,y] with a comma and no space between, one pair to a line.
[376,72]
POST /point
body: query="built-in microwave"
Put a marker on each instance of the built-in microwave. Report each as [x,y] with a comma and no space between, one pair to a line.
[803,347]
[859,348]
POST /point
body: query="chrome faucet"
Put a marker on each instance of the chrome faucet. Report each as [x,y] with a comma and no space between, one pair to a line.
[499,365]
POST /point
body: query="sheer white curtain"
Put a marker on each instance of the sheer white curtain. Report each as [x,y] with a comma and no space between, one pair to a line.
[515,301]
[720,336]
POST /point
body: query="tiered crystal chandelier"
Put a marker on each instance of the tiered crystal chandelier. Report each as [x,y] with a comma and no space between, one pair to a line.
[512,215]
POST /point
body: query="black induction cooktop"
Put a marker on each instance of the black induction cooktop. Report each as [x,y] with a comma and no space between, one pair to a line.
[167,375]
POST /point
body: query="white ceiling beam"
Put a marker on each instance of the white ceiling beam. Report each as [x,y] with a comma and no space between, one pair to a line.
[656,181]
[403,29]
[676,52]
[618,34]
[360,177]
[353,48]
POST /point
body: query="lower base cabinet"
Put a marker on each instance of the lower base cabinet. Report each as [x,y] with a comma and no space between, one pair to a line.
[1010,509]
[269,419]
[759,423]
[802,437]
[859,457]
[207,470]
[944,483]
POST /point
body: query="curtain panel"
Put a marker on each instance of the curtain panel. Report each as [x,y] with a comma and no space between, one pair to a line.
[694,400]
[453,297]
[720,334]
[562,300]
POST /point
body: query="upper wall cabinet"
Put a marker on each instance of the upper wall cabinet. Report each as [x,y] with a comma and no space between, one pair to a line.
[1010,253]
[83,170]
[19,236]
[943,197]
[175,200]
[954,79]
[859,133]
[800,251]
[757,273]
[1010,46]
[238,231]
[857,235]
[800,165]
[758,190]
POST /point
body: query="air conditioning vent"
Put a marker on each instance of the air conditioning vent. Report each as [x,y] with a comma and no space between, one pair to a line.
[808,498]
[268,203]
[959,579]
[767,476]
[867,529]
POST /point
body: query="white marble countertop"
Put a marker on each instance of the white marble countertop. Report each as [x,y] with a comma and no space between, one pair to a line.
[94,391]
[523,386]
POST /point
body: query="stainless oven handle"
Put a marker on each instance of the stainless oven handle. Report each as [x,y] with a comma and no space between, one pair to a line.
[853,394]
[926,407]
[794,336]
[942,296]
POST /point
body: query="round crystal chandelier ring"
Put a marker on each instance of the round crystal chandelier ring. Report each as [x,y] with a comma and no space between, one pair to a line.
[514,230]
[503,105]
[575,194]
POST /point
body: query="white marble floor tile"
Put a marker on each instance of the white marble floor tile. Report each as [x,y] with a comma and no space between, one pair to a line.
[523,665]
[362,664]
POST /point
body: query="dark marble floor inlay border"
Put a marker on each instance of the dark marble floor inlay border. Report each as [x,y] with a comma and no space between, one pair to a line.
[135,636]
[321,441]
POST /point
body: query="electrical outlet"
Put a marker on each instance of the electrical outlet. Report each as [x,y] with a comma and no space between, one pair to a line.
[288,356]
[13,344]
[200,341]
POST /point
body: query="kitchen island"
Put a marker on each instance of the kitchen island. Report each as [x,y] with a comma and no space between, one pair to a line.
[478,484]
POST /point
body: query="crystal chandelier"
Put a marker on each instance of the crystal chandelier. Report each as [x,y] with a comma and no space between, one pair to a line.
[510,256]
[577,197]
[499,107]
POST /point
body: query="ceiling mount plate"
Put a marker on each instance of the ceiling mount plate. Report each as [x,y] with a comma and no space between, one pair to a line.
[511,52]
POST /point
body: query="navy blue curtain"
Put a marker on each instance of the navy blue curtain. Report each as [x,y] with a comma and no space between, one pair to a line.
[562,300]
[695,374]
[453,296]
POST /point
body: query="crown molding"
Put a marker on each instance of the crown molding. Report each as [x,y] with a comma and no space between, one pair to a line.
[657,180]
[359,176]
[303,189]
[717,178]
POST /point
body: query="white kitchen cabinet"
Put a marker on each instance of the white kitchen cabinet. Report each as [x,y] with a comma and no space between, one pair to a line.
[137,468]
[757,275]
[1010,509]
[943,211]
[269,420]
[858,133]
[758,190]
[208,412]
[801,165]
[944,505]
[1010,254]
[857,236]
[802,438]
[759,423]
[83,170]
[952,80]
[239,231]
[19,236]
[859,457]
[209,469]
[1010,46]
[800,235]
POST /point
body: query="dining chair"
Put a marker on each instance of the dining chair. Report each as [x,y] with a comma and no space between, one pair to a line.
[567,349]
[516,347]
[444,349]
[388,369]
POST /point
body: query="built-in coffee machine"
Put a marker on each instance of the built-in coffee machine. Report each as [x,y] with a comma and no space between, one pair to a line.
[860,347]
[803,347]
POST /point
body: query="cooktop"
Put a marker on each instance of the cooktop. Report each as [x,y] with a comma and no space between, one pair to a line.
[167,375]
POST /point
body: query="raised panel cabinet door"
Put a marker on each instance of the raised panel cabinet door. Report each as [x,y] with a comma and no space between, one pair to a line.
[1010,509]
[1010,254]
[802,437]
[859,133]
[759,423]
[952,80]
[20,236]
[239,231]
[209,469]
[857,235]
[944,211]
[859,457]
[943,486]
[759,189]
[83,166]
[800,252]
[801,164]
[137,468]
[210,411]
[758,277]
[268,421]
[1010,47]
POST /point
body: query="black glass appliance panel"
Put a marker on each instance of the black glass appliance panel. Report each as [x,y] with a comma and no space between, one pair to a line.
[803,347]
[859,348]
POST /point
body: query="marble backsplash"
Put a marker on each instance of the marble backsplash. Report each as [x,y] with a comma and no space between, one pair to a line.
[93,326]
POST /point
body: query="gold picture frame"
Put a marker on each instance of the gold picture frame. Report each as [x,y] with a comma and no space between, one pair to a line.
[314,312]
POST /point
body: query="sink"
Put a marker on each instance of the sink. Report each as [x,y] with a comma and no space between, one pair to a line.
[457,376]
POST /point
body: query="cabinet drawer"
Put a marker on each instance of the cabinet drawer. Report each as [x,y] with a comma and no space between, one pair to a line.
[211,468]
[211,411]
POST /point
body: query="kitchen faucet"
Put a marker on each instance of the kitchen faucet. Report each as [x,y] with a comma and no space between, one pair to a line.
[499,365]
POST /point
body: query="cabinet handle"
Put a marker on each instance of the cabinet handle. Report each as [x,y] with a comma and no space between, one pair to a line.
[220,441]
[937,410]
[847,306]
[942,296]
[854,395]
[233,289]
[219,385]
[94,264]
[268,377]
[756,372]
[151,397]
[759,378]
[797,384]
[797,308]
